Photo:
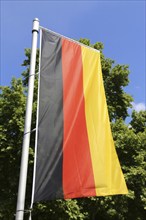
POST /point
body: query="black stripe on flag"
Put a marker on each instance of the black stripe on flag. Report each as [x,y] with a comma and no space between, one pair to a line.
[48,183]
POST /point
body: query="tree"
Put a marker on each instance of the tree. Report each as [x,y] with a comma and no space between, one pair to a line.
[130,144]
[138,122]
[12,108]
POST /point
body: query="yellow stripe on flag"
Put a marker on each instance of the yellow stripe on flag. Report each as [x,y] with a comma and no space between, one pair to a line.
[108,176]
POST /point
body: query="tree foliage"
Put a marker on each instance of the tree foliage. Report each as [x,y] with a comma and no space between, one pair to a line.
[12,107]
[130,143]
[138,122]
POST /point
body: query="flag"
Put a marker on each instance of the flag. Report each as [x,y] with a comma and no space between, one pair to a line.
[76,156]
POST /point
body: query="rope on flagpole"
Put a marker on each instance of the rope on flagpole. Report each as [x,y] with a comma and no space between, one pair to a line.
[36,136]
[30,131]
[35,74]
[25,211]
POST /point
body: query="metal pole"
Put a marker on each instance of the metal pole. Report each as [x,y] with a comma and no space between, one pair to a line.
[27,127]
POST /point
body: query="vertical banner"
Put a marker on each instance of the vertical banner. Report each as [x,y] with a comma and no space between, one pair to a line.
[75,155]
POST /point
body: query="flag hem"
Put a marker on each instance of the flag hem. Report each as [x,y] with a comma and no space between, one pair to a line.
[74,41]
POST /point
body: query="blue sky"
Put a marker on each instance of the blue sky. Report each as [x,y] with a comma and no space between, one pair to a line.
[119,25]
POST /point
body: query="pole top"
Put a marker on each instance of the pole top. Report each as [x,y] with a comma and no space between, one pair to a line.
[36,19]
[35,25]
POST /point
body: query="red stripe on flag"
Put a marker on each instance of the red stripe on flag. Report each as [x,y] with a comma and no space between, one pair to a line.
[78,180]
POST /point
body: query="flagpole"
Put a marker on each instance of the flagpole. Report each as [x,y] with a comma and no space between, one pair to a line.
[27,127]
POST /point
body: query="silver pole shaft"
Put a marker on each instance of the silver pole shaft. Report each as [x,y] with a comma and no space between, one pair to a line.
[27,127]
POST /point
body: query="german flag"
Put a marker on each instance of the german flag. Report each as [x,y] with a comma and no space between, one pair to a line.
[76,156]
